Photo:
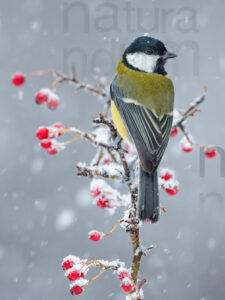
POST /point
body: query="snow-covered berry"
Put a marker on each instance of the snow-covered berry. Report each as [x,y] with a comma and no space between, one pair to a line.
[52,151]
[210,153]
[69,261]
[126,285]
[187,149]
[167,176]
[76,290]
[124,274]
[46,144]
[95,192]
[67,264]
[172,191]
[174,132]
[103,203]
[95,235]
[47,96]
[58,126]
[52,101]
[42,96]
[185,144]
[18,79]
[42,133]
[74,275]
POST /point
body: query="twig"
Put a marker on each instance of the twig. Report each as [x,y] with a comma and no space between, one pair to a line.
[72,140]
[142,283]
[94,171]
[87,137]
[111,231]
[63,78]
[55,82]
[97,276]
[193,144]
[163,209]
[102,120]
[124,162]
[191,110]
[99,157]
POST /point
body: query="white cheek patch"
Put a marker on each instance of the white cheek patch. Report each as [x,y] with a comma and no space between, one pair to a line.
[142,61]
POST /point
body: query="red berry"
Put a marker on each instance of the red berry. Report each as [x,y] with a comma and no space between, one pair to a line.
[42,133]
[124,274]
[52,102]
[210,153]
[187,149]
[95,236]
[174,132]
[167,176]
[52,151]
[127,287]
[18,79]
[187,144]
[42,96]
[103,203]
[60,127]
[76,290]
[173,191]
[46,144]
[67,264]
[74,275]
[95,193]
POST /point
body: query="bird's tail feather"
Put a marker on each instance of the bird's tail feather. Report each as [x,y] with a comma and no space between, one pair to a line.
[148,196]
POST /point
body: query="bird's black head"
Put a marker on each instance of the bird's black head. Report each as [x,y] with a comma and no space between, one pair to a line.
[147,54]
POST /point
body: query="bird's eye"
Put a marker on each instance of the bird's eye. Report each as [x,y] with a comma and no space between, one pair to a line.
[149,52]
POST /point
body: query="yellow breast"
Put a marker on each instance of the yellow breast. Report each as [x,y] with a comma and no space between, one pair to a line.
[119,122]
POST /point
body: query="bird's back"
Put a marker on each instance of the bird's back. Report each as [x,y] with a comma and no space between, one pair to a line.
[151,90]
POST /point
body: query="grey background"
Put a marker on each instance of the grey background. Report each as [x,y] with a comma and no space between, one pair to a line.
[36,189]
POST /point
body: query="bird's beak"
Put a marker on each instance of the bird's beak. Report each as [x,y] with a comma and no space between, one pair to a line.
[169,55]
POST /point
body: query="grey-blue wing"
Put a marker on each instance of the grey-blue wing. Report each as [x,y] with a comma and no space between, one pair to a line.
[150,134]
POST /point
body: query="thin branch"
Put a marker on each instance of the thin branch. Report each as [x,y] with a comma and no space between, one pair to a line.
[197,102]
[97,276]
[94,171]
[86,136]
[63,78]
[142,283]
[124,162]
[54,84]
[99,157]
[112,155]
[191,110]
[192,143]
[111,231]
[140,286]
[103,121]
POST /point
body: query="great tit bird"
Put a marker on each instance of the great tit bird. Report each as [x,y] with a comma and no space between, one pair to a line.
[142,97]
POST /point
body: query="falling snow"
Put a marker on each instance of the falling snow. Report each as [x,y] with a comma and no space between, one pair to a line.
[65,219]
